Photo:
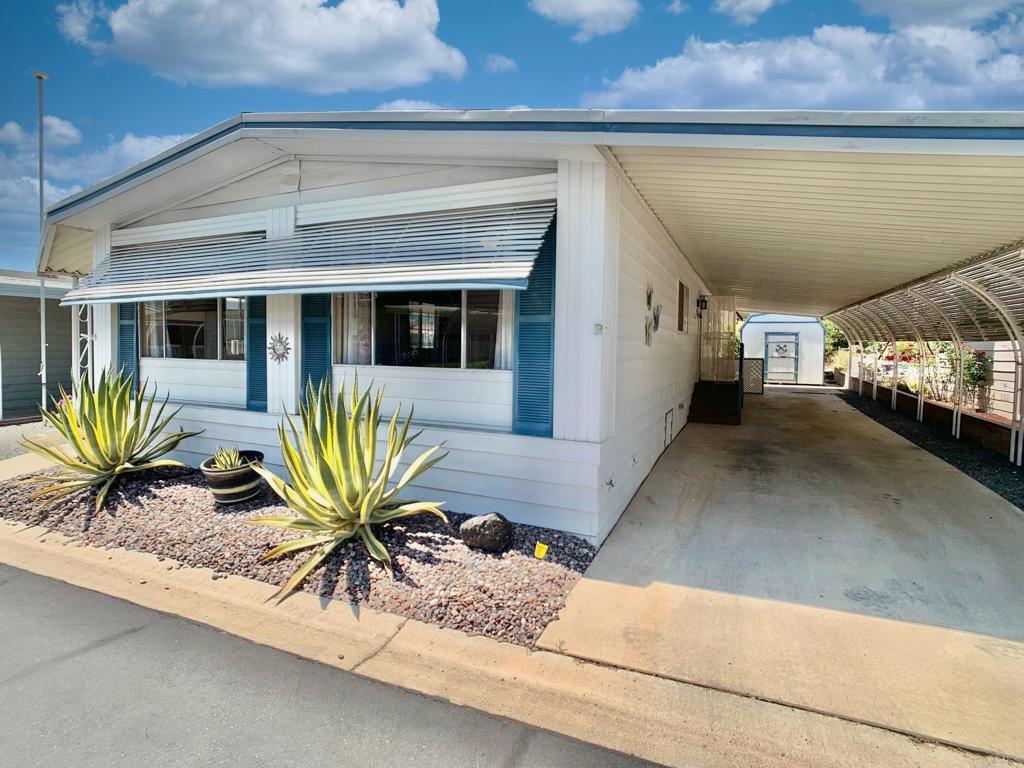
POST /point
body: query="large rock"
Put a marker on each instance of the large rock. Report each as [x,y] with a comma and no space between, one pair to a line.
[491,533]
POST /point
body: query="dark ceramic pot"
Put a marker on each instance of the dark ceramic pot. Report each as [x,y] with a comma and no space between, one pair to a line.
[230,486]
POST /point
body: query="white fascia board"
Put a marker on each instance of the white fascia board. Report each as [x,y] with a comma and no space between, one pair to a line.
[817,143]
[973,119]
[546,145]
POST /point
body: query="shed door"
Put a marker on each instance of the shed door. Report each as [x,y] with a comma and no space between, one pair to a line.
[781,357]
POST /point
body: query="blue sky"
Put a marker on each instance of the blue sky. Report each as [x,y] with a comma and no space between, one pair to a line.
[130,77]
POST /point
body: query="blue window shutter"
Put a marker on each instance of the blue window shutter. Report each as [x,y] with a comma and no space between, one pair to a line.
[256,353]
[128,340]
[315,365]
[533,374]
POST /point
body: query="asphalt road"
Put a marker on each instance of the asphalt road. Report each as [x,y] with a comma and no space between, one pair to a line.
[88,680]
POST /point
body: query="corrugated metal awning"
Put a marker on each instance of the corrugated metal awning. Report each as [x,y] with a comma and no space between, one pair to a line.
[488,247]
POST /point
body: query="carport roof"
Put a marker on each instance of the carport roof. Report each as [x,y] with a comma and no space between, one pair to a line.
[795,212]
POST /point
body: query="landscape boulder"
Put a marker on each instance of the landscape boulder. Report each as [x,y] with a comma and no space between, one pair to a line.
[491,533]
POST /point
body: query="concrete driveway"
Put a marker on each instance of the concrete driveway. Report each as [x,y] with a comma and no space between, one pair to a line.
[813,557]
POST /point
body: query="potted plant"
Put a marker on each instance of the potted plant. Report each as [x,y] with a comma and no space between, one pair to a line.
[231,475]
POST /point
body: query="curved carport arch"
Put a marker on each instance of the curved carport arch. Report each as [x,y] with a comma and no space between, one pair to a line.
[979,302]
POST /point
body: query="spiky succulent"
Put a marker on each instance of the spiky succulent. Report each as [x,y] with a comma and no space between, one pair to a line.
[228,458]
[339,484]
[111,431]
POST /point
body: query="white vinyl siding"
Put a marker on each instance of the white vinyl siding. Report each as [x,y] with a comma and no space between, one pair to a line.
[651,381]
[480,398]
[213,382]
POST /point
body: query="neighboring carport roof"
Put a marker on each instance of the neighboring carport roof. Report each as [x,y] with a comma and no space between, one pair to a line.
[797,212]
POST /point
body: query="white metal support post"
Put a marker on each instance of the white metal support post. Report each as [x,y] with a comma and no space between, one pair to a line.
[850,337]
[75,334]
[863,339]
[958,341]
[41,78]
[895,357]
[1006,319]
[920,355]
[1019,458]
[869,321]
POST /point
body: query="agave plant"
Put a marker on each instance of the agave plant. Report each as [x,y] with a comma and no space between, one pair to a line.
[111,431]
[340,477]
[228,458]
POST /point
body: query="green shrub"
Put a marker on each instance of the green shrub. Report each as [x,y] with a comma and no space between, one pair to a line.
[338,488]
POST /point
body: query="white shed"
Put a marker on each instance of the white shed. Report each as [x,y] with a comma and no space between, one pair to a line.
[792,347]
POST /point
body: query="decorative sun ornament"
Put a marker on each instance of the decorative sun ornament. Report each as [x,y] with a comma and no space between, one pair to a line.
[279,348]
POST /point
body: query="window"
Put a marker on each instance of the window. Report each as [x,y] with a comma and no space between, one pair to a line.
[429,329]
[683,309]
[353,336]
[194,329]
[419,329]
[232,329]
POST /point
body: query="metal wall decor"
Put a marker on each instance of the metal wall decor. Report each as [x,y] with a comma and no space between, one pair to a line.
[652,319]
[279,348]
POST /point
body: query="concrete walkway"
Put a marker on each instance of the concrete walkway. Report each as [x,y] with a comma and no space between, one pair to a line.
[813,557]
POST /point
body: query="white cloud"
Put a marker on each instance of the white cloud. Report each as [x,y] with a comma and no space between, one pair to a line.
[924,67]
[316,46]
[67,171]
[591,17]
[58,132]
[743,11]
[408,105]
[114,157]
[19,218]
[79,21]
[677,7]
[497,62]
[944,12]
[12,133]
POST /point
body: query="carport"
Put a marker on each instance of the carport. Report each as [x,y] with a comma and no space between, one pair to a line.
[810,556]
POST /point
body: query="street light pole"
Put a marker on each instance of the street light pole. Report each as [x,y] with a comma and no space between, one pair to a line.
[41,77]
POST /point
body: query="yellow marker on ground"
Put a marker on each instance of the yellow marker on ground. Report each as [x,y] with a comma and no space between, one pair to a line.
[540,550]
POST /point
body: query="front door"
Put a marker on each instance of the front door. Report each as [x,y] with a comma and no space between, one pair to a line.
[781,357]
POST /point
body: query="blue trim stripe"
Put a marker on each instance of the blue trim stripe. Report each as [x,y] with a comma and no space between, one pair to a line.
[691,129]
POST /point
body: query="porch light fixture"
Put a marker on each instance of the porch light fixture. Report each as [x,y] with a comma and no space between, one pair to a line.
[702,305]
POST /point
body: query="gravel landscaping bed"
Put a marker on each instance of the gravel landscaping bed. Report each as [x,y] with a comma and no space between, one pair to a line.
[991,469]
[509,596]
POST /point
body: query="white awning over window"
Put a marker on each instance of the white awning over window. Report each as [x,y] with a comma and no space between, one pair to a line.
[489,247]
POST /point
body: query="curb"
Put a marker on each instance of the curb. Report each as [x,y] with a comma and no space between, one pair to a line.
[653,718]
